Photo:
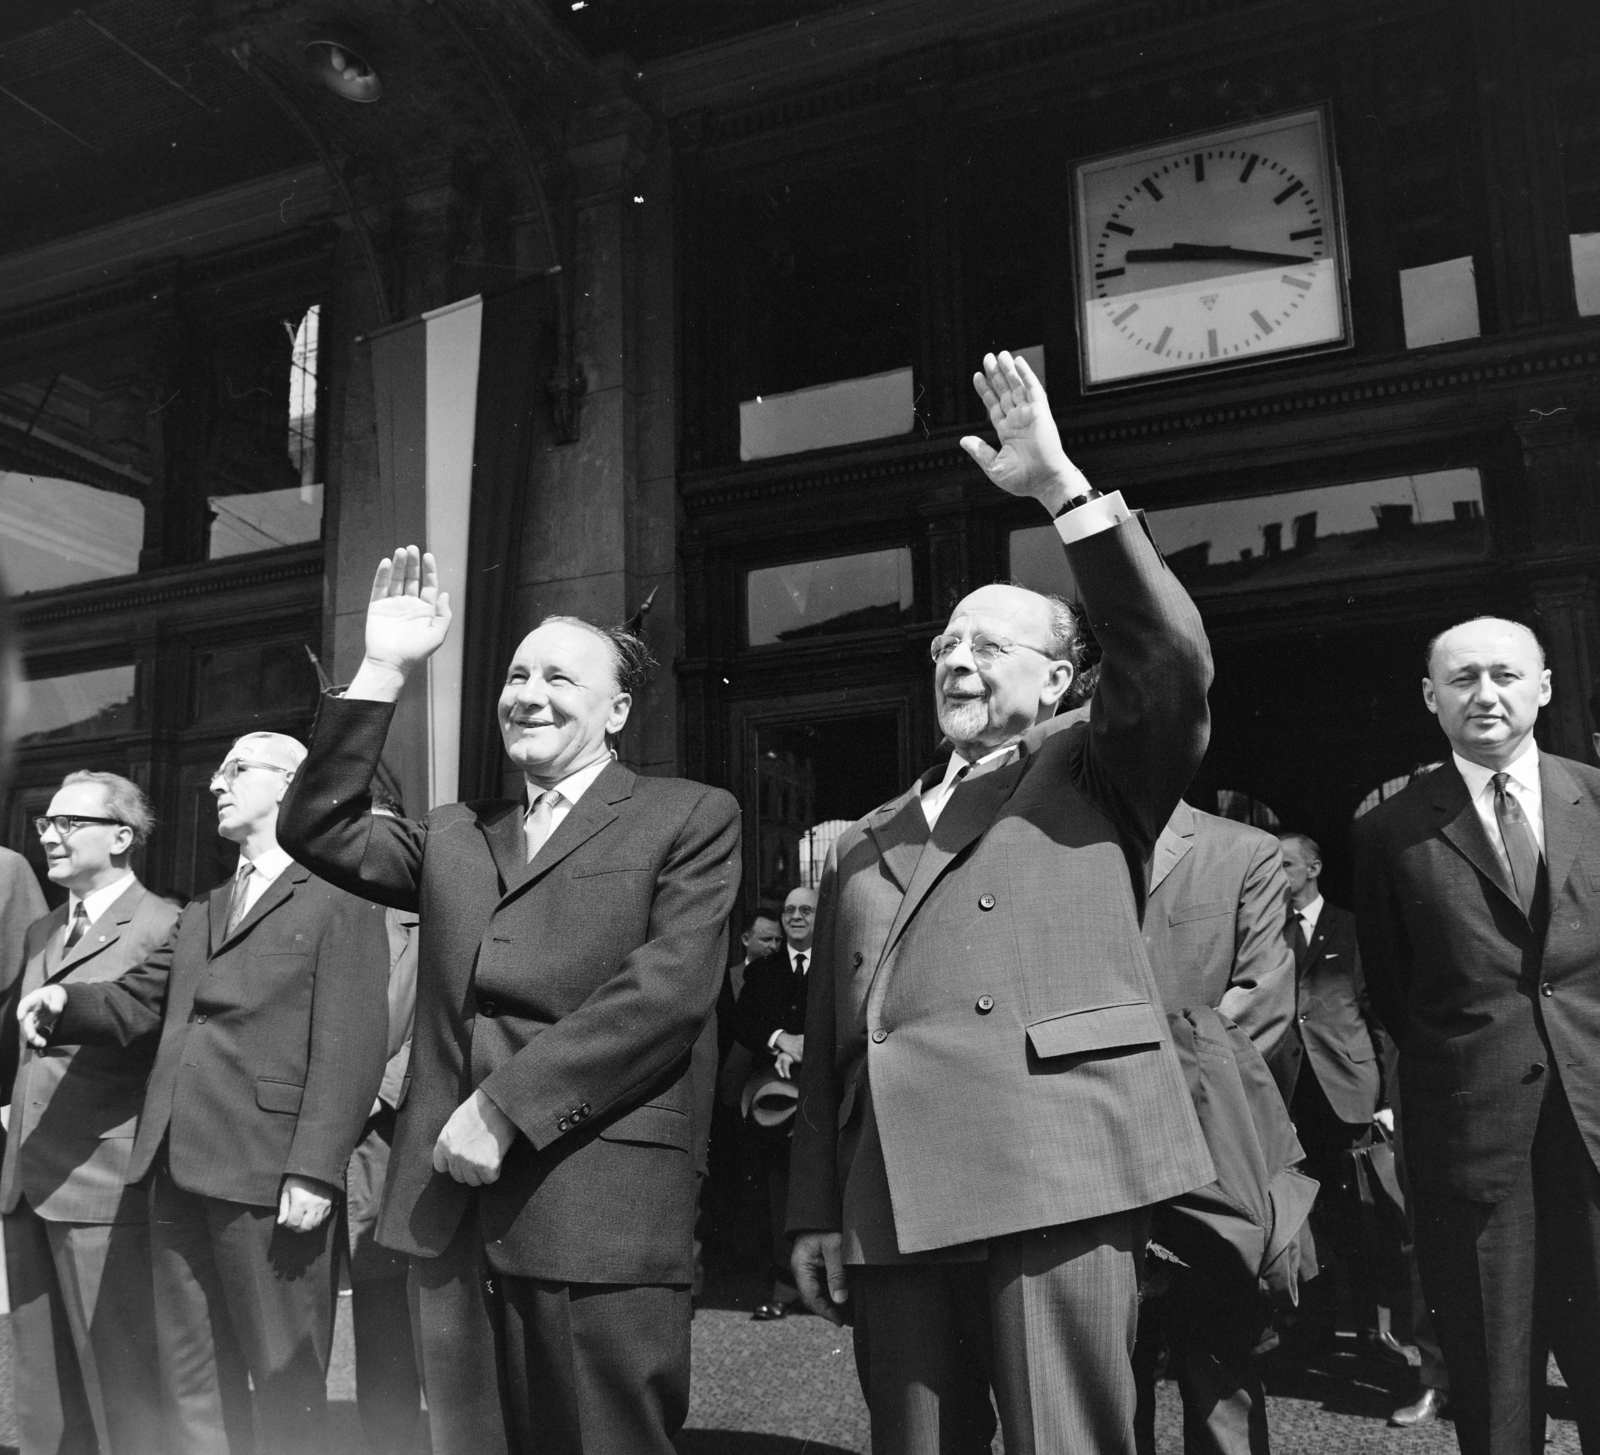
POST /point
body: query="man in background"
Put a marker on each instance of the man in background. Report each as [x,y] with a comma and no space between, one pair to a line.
[1214,928]
[1333,1068]
[270,1003]
[770,1024]
[1476,904]
[21,903]
[77,1237]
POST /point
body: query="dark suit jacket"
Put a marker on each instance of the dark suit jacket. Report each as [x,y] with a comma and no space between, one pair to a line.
[1481,1000]
[1214,924]
[774,999]
[74,1108]
[992,974]
[570,990]
[1335,1029]
[272,1041]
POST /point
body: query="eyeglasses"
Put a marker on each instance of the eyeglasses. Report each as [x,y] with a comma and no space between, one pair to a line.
[235,766]
[805,911]
[69,823]
[986,651]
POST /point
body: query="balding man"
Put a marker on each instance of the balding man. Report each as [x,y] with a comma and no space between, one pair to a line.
[271,1003]
[1477,890]
[990,1101]
[571,947]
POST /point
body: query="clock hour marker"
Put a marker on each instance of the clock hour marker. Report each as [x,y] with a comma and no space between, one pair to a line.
[1149,186]
[1303,284]
[1261,323]
[1199,167]
[1249,167]
[1289,192]
[1128,231]
[1126,313]
[1305,232]
[1109,273]
[1211,336]
[1161,342]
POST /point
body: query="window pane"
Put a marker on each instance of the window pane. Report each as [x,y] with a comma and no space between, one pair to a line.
[79,705]
[236,683]
[262,459]
[74,468]
[819,598]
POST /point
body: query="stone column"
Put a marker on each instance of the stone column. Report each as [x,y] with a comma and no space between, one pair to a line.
[602,519]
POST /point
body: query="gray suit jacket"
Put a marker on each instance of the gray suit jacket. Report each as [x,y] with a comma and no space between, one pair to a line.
[989,979]
[74,1109]
[1214,924]
[21,903]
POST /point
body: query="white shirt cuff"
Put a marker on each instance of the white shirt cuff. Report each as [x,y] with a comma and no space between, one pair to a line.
[772,1040]
[1092,517]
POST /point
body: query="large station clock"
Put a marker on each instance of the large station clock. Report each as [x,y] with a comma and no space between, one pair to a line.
[1214,251]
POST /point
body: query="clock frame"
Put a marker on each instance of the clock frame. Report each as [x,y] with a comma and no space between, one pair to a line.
[1224,249]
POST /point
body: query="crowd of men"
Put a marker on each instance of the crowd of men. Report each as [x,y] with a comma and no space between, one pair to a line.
[1044,1076]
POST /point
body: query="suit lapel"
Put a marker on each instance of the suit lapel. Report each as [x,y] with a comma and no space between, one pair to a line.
[275,894]
[1460,824]
[1562,822]
[900,830]
[217,908]
[592,813]
[1177,838]
[104,932]
[970,811]
[50,955]
[502,827]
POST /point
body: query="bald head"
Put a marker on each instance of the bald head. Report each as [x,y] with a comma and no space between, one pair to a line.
[1486,683]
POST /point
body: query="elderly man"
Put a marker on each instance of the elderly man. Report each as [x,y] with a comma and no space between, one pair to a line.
[270,998]
[77,1238]
[571,947]
[990,1100]
[1476,894]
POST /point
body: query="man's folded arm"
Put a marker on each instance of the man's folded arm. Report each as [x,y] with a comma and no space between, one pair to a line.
[123,1011]
[759,1010]
[1149,722]
[647,1016]
[815,1200]
[348,1041]
[1260,996]
[326,821]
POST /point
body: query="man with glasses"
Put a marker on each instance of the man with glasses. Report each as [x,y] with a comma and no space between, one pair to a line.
[990,1100]
[271,1002]
[77,1240]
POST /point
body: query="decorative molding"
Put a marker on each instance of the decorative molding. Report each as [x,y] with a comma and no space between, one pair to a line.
[1507,362]
[179,583]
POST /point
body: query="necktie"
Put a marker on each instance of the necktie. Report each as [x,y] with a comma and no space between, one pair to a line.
[800,964]
[942,802]
[1522,849]
[240,903]
[80,922]
[1295,934]
[538,821]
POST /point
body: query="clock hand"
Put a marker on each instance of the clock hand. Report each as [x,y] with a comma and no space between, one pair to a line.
[1208,253]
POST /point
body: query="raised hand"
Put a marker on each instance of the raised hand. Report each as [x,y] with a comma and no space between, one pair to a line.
[1030,460]
[407,619]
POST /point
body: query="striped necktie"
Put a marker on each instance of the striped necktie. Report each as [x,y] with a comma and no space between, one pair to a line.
[1516,833]
[80,923]
[239,906]
[539,821]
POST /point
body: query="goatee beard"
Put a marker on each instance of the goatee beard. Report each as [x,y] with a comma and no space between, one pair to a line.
[964,722]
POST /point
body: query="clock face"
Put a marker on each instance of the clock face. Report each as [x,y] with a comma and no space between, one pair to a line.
[1217,251]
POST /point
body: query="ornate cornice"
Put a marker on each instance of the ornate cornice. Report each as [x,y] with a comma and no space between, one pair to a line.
[131,594]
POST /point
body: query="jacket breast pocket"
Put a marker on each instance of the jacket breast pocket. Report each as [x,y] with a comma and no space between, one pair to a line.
[1183,914]
[655,1125]
[1102,1028]
[280,1096]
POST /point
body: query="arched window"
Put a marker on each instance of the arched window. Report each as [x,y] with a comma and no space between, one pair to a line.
[1242,808]
[1391,786]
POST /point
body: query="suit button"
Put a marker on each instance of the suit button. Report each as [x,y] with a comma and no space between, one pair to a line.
[855,959]
[584,1109]
[1302,1020]
[1547,989]
[986,901]
[488,1008]
[984,1005]
[879,1037]
[201,1018]
[1536,1070]
[563,1125]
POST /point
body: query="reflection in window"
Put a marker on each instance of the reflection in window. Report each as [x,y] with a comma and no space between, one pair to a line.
[262,454]
[1586,272]
[74,466]
[820,598]
[1439,302]
[79,705]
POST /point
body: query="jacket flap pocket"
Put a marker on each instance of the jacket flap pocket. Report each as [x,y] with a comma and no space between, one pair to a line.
[1361,1053]
[660,1126]
[281,1096]
[1209,909]
[1104,1028]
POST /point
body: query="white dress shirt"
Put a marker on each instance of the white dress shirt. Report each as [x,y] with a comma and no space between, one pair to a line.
[1522,782]
[935,798]
[1309,917]
[265,868]
[772,1040]
[95,903]
[569,790]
